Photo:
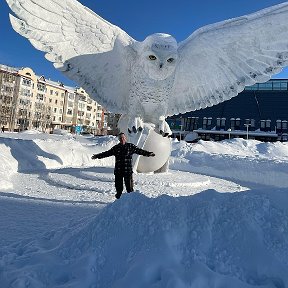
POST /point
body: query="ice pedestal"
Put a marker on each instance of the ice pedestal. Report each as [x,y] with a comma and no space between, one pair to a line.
[154,142]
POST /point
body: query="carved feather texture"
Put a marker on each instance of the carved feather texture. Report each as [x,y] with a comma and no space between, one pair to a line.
[75,40]
[219,60]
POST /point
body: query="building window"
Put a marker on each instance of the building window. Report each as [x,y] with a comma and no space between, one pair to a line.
[82,98]
[223,123]
[40,97]
[218,123]
[81,106]
[26,82]
[209,121]
[41,87]
[265,86]
[194,123]
[279,124]
[204,123]
[262,125]
[24,102]
[237,124]
[265,125]
[25,92]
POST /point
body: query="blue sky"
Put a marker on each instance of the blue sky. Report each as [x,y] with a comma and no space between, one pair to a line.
[138,18]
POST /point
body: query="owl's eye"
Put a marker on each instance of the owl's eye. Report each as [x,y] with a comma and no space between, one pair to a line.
[152,57]
[170,60]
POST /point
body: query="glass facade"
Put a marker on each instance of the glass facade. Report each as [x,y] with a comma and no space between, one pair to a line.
[274,84]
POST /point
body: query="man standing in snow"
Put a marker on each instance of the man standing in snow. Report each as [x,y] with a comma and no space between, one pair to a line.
[123,163]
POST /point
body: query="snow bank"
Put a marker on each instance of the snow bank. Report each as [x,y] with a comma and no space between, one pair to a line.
[27,152]
[237,159]
[8,166]
[211,239]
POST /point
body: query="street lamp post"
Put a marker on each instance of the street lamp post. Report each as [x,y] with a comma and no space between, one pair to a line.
[247,131]
[229,133]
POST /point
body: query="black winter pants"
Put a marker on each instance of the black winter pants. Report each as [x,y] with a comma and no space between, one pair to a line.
[128,180]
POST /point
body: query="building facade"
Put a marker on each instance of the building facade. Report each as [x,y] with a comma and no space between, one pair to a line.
[28,101]
[112,122]
[261,110]
[9,88]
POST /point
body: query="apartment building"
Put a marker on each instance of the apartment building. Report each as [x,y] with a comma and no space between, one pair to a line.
[89,113]
[9,87]
[28,101]
[112,123]
[30,109]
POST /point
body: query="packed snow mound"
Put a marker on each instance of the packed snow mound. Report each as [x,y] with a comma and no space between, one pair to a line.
[8,166]
[27,152]
[31,131]
[237,159]
[211,239]
[61,132]
[238,147]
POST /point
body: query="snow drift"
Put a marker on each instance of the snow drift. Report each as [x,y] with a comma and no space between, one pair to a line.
[237,239]
[206,240]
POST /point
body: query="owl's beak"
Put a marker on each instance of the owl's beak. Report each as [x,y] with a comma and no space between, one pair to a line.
[161,65]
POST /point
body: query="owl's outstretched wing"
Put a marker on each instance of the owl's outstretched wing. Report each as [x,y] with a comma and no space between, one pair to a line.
[86,48]
[219,60]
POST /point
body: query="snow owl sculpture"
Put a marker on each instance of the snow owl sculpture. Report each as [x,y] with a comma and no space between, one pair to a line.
[150,80]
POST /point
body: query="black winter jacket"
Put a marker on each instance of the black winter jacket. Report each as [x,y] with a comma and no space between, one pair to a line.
[123,157]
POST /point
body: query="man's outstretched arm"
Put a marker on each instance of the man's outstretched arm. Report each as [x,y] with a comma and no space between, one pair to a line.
[103,154]
[142,152]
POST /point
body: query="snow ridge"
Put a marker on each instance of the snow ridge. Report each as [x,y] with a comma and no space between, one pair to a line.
[140,242]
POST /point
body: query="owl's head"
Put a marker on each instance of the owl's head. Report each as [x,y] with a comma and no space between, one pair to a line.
[158,55]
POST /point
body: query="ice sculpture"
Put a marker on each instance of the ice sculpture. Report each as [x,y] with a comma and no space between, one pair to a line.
[150,80]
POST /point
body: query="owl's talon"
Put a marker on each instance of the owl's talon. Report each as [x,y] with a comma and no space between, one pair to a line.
[163,127]
[134,125]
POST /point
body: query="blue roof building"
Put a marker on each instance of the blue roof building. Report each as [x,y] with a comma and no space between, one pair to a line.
[262,109]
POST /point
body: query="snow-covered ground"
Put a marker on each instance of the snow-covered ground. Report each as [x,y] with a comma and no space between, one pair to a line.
[60,225]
